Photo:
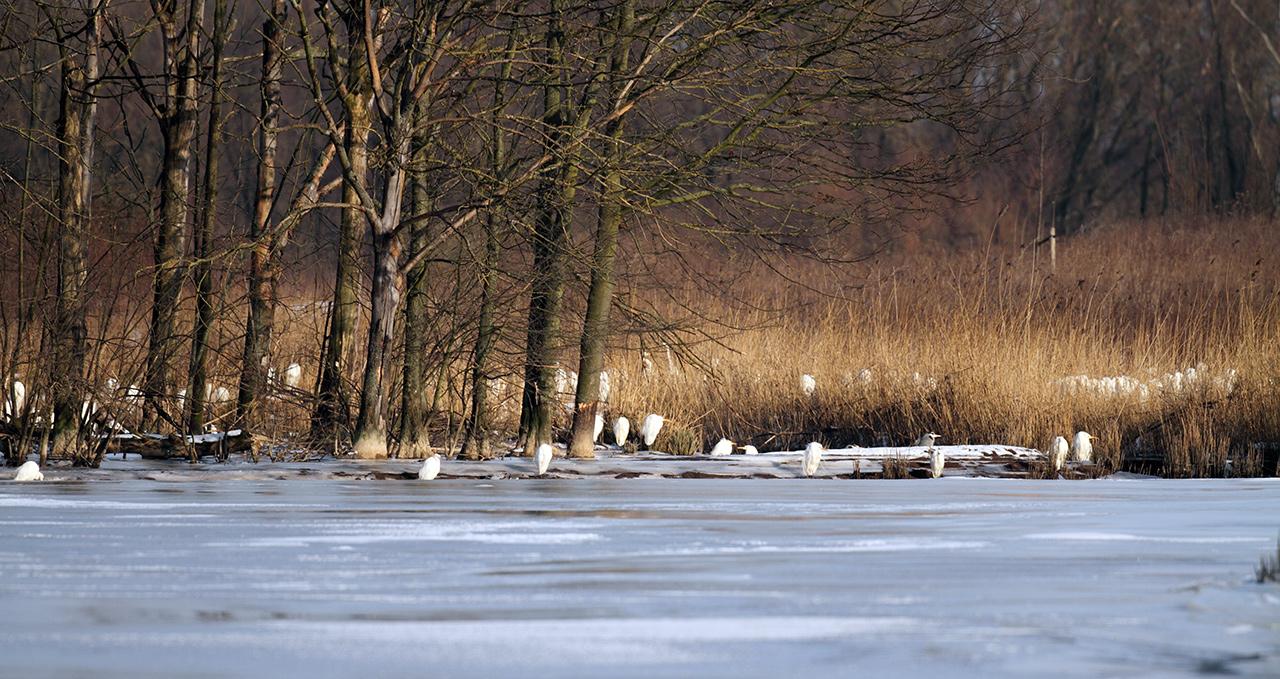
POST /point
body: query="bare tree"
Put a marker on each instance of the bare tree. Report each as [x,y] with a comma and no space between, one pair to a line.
[76,131]
[202,240]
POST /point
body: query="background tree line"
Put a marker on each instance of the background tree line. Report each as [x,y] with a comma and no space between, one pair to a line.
[425,204]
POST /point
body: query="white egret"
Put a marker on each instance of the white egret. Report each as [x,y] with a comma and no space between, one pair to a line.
[430,467]
[721,448]
[650,427]
[750,450]
[646,363]
[812,458]
[1058,452]
[29,471]
[937,461]
[542,458]
[927,440]
[808,384]
[605,386]
[599,427]
[1082,447]
[621,428]
[293,375]
[17,398]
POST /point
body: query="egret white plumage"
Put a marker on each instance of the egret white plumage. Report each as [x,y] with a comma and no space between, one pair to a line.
[808,384]
[621,428]
[293,375]
[1082,447]
[542,458]
[937,461]
[599,427]
[650,427]
[927,440]
[812,458]
[29,471]
[1058,452]
[605,386]
[750,450]
[430,468]
[722,447]
[17,399]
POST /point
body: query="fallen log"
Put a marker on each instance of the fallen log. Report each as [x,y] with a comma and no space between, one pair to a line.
[167,446]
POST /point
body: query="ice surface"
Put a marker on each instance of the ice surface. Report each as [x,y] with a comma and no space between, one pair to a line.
[638,577]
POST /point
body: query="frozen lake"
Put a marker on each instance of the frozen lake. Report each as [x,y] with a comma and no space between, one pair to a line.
[641,577]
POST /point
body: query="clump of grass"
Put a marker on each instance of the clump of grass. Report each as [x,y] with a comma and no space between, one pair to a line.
[1268,569]
[896,468]
[679,440]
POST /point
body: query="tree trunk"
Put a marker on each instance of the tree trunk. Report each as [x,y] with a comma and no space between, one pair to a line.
[595,327]
[332,402]
[370,436]
[178,128]
[415,440]
[76,136]
[203,239]
[554,211]
[262,278]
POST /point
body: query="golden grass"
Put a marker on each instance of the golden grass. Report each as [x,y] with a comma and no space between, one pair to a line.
[989,332]
[989,335]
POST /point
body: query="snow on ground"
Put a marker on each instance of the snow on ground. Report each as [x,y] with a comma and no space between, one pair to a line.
[638,578]
[987,460]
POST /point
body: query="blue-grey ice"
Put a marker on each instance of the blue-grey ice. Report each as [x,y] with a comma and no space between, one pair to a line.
[595,577]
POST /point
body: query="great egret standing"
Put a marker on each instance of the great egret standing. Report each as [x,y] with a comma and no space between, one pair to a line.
[430,468]
[650,427]
[927,440]
[937,461]
[812,458]
[29,471]
[293,376]
[721,448]
[542,458]
[1058,452]
[808,385]
[621,427]
[1082,447]
[17,398]
[605,386]
[599,427]
[750,450]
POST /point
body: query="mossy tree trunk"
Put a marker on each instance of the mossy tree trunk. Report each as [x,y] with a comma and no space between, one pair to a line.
[595,328]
